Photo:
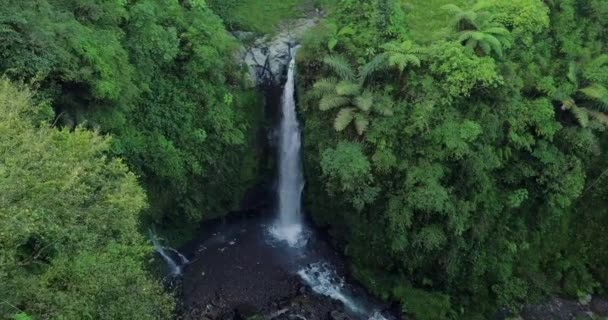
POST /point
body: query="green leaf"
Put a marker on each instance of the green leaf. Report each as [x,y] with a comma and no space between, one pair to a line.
[331,44]
[361,123]
[344,118]
[340,66]
[365,101]
[329,102]
[347,88]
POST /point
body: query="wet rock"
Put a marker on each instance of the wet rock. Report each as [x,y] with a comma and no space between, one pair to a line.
[599,307]
[555,309]
[246,311]
[267,57]
[338,315]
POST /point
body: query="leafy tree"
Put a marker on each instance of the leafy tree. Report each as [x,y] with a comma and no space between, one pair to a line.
[480,182]
[154,74]
[70,217]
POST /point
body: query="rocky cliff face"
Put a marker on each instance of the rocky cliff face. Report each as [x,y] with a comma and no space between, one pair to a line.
[268,56]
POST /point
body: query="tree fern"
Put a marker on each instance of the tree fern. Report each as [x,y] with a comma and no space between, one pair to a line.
[344,118]
[324,86]
[361,123]
[340,66]
[332,101]
[480,30]
[598,95]
[365,101]
[347,88]
[581,115]
[378,63]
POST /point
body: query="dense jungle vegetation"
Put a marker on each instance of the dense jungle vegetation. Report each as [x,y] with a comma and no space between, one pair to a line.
[453,148]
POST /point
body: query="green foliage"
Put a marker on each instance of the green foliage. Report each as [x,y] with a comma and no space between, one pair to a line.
[69,241]
[350,168]
[424,305]
[155,75]
[255,15]
[488,177]
[357,104]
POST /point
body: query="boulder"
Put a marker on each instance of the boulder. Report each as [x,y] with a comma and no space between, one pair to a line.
[268,57]
[599,307]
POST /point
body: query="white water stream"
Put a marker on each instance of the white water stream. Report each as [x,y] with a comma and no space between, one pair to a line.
[288,226]
[174,267]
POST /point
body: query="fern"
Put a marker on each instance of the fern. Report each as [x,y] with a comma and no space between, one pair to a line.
[365,101]
[340,66]
[324,86]
[572,72]
[329,102]
[361,123]
[599,116]
[347,88]
[598,95]
[378,63]
[344,118]
[581,115]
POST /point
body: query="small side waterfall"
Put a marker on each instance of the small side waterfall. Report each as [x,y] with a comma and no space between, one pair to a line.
[289,226]
[174,267]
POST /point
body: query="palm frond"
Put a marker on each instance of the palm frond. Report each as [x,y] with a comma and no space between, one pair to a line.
[347,88]
[324,86]
[572,72]
[344,118]
[346,30]
[452,8]
[494,43]
[378,63]
[361,123]
[365,101]
[465,35]
[597,94]
[599,116]
[485,47]
[581,115]
[329,102]
[340,66]
[600,60]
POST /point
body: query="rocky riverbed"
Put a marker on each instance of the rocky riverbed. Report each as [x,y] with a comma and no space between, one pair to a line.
[237,271]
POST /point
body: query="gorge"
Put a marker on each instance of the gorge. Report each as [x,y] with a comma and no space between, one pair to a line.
[273,264]
[304,159]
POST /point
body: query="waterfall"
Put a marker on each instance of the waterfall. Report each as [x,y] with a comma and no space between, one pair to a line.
[288,226]
[174,267]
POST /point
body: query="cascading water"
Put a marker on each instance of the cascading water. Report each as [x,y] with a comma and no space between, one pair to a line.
[321,277]
[174,267]
[289,226]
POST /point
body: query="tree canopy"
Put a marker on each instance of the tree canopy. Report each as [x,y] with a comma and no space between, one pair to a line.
[468,197]
[69,240]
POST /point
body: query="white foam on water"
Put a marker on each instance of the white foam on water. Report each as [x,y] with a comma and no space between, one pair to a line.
[293,235]
[174,267]
[323,280]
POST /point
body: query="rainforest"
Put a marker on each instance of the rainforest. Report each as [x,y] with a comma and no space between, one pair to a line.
[304,159]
